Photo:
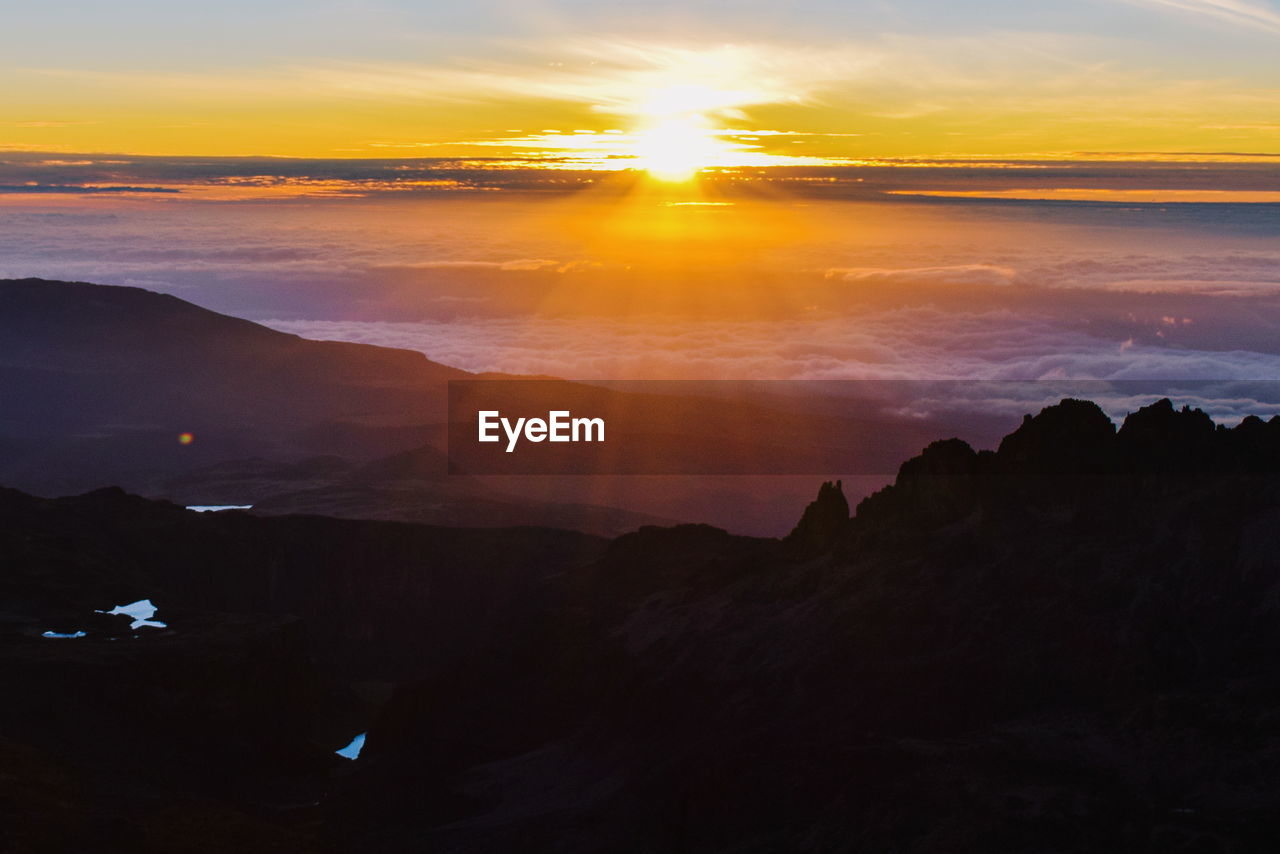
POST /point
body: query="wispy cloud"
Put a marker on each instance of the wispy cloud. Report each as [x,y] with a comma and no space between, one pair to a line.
[614,77]
[44,124]
[77,189]
[917,342]
[1255,15]
[859,95]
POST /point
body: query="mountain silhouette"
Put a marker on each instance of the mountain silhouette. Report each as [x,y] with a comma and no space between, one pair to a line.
[1064,644]
[824,520]
[103,381]
[109,377]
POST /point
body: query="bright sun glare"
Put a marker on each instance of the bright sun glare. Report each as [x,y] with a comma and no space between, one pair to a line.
[677,136]
[676,150]
[680,114]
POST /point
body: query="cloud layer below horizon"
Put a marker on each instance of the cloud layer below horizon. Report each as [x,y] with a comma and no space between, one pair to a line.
[851,289]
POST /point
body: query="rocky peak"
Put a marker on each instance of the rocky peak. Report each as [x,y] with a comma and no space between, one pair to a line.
[824,520]
[1159,437]
[1071,437]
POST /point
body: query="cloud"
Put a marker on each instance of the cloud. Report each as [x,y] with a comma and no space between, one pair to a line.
[1259,16]
[628,79]
[624,78]
[937,363]
[516,265]
[977,292]
[953,89]
[78,189]
[44,124]
[1225,273]
[277,179]
[1226,288]
[903,344]
[982,275]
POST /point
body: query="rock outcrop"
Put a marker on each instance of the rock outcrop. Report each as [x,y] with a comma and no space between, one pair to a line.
[1063,645]
[823,522]
[1067,644]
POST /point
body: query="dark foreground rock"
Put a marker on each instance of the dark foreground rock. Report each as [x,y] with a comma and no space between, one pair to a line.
[1066,644]
[217,731]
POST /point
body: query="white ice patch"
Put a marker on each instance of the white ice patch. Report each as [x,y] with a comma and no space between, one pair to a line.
[142,611]
[63,635]
[352,750]
[214,508]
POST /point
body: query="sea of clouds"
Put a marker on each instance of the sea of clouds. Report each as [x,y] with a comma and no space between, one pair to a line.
[885,291]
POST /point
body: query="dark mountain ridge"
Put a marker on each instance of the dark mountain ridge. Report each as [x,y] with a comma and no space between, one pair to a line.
[100,383]
[117,328]
[1065,644]
[108,377]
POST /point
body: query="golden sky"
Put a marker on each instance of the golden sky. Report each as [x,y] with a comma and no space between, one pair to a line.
[683,87]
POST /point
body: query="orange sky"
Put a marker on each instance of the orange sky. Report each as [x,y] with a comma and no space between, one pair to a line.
[602,87]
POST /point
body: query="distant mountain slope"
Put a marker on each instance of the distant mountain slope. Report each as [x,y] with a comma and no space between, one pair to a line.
[102,380]
[98,384]
[63,325]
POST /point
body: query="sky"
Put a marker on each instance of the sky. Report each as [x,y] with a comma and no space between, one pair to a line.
[813,189]
[597,83]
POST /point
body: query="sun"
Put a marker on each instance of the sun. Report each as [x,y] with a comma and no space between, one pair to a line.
[677,149]
[676,137]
